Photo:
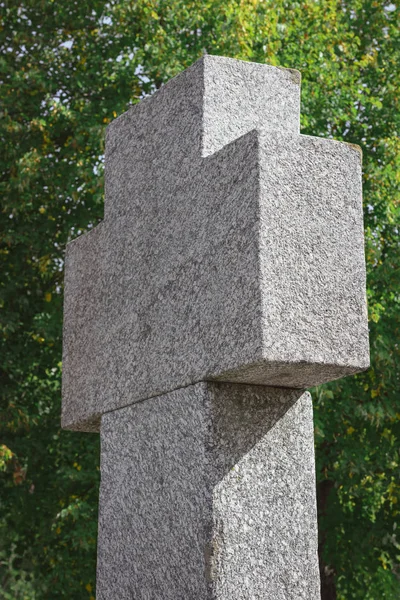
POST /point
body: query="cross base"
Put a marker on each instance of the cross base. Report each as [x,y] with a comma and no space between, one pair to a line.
[208,492]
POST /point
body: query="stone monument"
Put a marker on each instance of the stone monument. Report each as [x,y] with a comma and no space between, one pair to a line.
[227,277]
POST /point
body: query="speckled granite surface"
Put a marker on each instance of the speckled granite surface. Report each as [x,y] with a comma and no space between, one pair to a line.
[208,492]
[232,248]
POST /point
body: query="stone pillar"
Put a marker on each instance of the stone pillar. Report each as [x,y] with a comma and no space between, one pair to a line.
[227,276]
[209,492]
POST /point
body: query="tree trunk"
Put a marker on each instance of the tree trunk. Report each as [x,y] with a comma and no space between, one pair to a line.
[327,572]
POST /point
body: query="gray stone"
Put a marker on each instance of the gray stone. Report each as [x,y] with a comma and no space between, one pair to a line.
[232,248]
[208,492]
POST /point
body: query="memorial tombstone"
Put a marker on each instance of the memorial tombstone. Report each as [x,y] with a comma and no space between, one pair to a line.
[227,277]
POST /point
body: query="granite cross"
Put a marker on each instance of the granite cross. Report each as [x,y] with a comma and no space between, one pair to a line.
[227,277]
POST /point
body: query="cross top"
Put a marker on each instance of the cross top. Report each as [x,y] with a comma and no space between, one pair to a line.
[231,249]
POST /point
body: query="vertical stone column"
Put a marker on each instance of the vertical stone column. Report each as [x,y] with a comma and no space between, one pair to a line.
[227,277]
[209,492]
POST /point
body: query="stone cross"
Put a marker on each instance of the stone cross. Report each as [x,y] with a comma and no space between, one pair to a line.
[227,277]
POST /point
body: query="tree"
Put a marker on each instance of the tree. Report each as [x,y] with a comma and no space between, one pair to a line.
[68,69]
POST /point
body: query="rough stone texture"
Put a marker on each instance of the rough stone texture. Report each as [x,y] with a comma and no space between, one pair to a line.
[208,492]
[232,248]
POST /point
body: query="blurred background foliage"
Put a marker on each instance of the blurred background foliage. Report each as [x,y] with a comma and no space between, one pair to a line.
[68,69]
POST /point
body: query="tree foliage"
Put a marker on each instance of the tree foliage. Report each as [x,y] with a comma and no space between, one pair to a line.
[68,69]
